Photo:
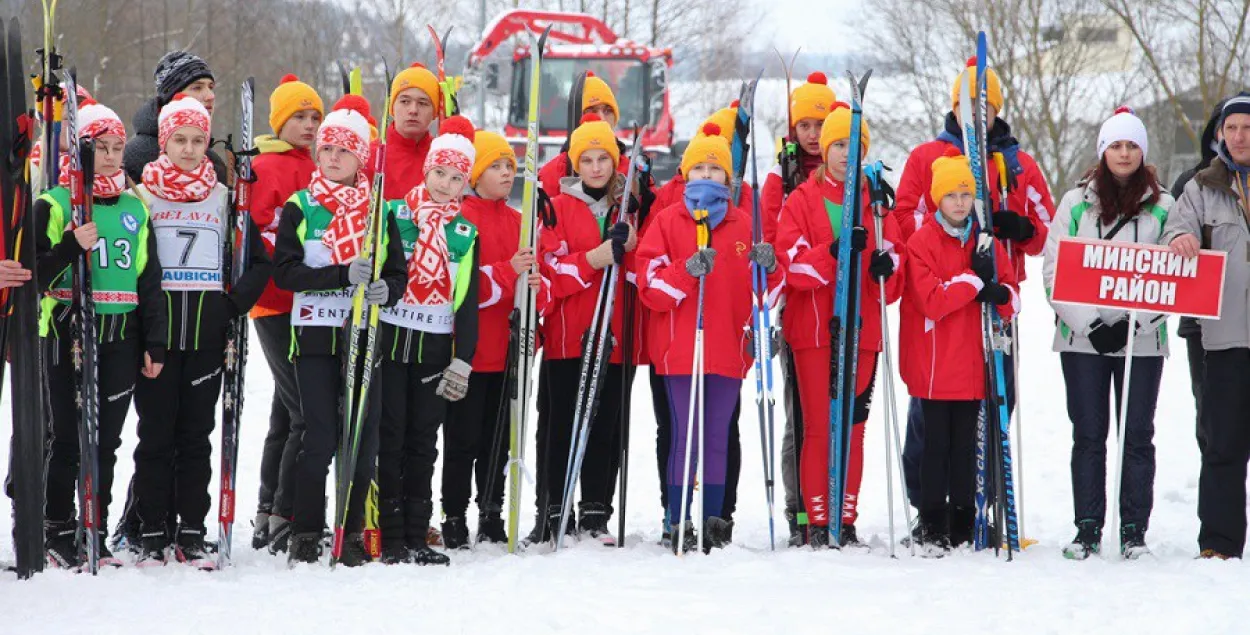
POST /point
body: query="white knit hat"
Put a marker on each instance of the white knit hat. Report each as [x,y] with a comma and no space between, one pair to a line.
[97,120]
[453,147]
[183,111]
[347,126]
[1123,126]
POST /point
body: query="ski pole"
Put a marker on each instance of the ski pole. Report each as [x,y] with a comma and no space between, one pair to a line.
[696,394]
[1006,183]
[763,351]
[1114,502]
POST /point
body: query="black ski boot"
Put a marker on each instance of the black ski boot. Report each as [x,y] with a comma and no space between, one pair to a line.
[354,552]
[935,541]
[304,547]
[961,526]
[592,520]
[553,521]
[798,529]
[153,551]
[849,538]
[455,533]
[395,554]
[260,531]
[1088,540]
[490,526]
[1133,541]
[817,537]
[717,533]
[60,542]
[420,553]
[127,536]
[689,541]
[105,555]
[189,549]
[280,529]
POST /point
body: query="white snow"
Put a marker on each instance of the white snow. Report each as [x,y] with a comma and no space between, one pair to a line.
[743,589]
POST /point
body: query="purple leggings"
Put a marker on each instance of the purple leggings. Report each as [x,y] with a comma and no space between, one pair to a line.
[720,394]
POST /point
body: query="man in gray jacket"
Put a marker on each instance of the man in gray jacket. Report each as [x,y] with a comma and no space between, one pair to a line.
[1214,213]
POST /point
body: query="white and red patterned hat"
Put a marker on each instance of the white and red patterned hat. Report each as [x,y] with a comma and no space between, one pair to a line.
[347,126]
[453,147]
[182,111]
[97,120]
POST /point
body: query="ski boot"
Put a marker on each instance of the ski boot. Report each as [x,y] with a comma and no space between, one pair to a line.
[1133,541]
[153,550]
[490,526]
[1088,540]
[593,521]
[394,553]
[280,530]
[420,553]
[304,547]
[817,536]
[961,526]
[260,531]
[455,533]
[354,553]
[61,545]
[189,549]
[849,538]
[717,533]
[127,536]
[798,529]
[1211,554]
[935,539]
[434,537]
[105,555]
[689,541]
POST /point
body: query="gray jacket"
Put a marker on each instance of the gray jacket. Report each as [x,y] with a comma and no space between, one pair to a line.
[1211,210]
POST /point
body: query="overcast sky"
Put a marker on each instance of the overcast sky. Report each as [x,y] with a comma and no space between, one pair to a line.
[817,25]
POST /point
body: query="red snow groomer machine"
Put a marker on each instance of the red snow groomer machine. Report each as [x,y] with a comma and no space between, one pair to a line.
[638,75]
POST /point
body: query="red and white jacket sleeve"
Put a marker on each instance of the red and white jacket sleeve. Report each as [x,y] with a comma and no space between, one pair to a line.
[662,282]
[807,266]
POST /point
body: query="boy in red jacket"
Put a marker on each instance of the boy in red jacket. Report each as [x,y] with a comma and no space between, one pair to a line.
[475,441]
[942,359]
[807,234]
[670,266]
[284,167]
[414,107]
[586,237]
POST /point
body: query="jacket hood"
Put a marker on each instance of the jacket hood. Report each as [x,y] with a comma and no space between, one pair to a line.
[145,121]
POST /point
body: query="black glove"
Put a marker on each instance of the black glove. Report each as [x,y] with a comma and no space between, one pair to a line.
[983,265]
[1109,339]
[619,235]
[881,265]
[994,293]
[1009,225]
[859,242]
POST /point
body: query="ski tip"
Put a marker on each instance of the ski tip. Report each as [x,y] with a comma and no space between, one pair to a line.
[542,40]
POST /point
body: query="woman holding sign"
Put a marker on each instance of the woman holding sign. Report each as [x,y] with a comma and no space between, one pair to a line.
[1119,200]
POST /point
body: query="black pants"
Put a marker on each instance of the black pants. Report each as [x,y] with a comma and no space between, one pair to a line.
[321,381]
[119,364]
[411,415]
[475,440]
[792,437]
[1226,425]
[913,441]
[602,459]
[664,433]
[277,465]
[1090,380]
[947,466]
[177,414]
[1197,357]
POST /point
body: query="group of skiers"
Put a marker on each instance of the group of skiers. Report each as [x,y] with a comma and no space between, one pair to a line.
[447,265]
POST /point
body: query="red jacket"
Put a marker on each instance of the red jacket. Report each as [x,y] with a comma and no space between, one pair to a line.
[940,350]
[405,163]
[803,240]
[772,193]
[913,205]
[499,233]
[574,284]
[280,170]
[558,167]
[672,294]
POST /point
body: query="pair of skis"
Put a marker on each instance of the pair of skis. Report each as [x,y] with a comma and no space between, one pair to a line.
[19,313]
[524,311]
[992,424]
[235,261]
[596,353]
[361,355]
[844,328]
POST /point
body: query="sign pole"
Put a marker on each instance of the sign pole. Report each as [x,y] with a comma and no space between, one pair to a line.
[1114,501]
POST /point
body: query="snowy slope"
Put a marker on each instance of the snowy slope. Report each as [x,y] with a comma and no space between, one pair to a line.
[743,589]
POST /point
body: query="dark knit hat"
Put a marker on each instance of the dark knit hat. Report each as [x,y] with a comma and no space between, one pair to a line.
[176,71]
[1238,104]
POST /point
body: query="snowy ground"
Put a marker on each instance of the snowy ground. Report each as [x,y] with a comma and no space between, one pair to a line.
[743,589]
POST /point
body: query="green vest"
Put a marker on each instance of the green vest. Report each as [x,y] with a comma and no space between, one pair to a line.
[461,241]
[328,307]
[117,259]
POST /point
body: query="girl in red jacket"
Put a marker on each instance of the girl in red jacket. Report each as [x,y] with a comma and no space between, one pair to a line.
[475,440]
[284,167]
[583,236]
[669,267]
[941,354]
[807,234]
